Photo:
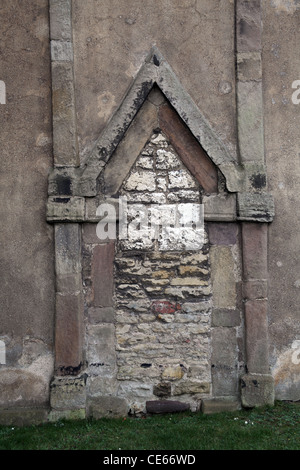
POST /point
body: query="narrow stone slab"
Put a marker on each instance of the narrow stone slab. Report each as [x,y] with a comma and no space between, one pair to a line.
[166,406]
[190,151]
[219,405]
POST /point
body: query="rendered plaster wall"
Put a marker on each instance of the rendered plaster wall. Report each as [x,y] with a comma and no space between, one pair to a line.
[113,37]
[27,255]
[281,67]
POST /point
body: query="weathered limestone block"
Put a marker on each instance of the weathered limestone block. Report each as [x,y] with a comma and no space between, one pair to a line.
[162,389]
[69,415]
[101,315]
[141,181]
[61,51]
[250,122]
[65,209]
[23,416]
[102,268]
[219,405]
[67,393]
[173,373]
[64,119]
[219,207]
[166,160]
[191,387]
[229,317]
[224,362]
[60,19]
[135,392]
[68,248]
[181,179]
[256,207]
[249,66]
[223,277]
[257,390]
[99,385]
[22,389]
[101,352]
[107,407]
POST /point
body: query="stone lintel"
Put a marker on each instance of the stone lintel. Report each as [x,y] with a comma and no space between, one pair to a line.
[65,209]
[220,208]
[255,207]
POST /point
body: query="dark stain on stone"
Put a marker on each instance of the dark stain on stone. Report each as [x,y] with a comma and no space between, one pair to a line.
[63,185]
[258,181]
[70,370]
[156,61]
[62,200]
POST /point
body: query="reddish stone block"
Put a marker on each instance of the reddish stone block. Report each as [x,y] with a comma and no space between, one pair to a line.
[220,233]
[253,290]
[255,250]
[188,148]
[256,322]
[68,334]
[103,274]
[164,306]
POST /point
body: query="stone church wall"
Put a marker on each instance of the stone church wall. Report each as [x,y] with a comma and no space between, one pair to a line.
[67,66]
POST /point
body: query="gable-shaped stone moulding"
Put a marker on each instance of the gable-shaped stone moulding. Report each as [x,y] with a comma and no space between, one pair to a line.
[147,324]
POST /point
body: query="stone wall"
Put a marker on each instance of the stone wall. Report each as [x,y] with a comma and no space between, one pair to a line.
[227,68]
[163,311]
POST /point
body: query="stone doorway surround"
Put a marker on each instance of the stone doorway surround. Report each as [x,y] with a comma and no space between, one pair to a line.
[235,201]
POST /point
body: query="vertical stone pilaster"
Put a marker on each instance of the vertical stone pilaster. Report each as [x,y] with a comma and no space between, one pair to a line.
[257,384]
[69,302]
[102,267]
[63,96]
[249,82]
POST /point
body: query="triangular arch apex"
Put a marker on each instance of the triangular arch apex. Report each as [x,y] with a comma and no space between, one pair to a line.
[157,71]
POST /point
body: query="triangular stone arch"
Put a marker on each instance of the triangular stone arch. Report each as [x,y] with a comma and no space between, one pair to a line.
[156,113]
[157,73]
